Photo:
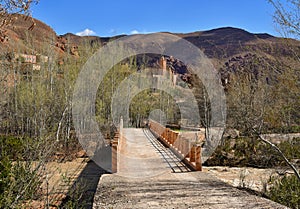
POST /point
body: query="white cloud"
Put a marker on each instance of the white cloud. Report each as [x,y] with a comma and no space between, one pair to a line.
[134,32]
[86,32]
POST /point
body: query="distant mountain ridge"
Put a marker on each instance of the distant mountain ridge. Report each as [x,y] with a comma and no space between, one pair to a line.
[228,48]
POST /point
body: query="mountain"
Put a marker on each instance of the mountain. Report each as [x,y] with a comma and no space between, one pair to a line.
[229,48]
[26,34]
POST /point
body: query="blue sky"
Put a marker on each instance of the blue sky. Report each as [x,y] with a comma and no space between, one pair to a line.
[111,17]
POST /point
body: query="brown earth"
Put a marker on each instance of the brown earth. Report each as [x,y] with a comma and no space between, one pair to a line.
[57,181]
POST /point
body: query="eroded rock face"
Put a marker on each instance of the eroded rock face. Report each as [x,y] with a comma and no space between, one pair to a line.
[64,45]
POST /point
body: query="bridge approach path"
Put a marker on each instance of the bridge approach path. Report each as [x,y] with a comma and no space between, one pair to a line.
[151,176]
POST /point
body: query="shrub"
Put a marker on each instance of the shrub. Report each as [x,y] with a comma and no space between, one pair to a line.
[16,148]
[286,191]
[18,182]
[18,179]
[252,152]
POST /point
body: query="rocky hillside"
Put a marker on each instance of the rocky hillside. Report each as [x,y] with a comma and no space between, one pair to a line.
[230,49]
[26,34]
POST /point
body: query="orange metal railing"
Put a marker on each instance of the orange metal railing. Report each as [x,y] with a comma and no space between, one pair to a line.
[186,149]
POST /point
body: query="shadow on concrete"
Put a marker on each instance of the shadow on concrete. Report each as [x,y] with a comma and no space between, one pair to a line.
[173,162]
[81,194]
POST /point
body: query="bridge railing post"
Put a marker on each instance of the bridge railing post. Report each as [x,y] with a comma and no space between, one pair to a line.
[192,154]
[165,134]
[180,140]
[114,153]
[172,138]
[169,137]
[114,166]
[116,146]
[184,147]
[198,158]
[188,147]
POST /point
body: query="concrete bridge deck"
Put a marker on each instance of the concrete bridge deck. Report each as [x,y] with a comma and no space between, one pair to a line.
[143,156]
[151,176]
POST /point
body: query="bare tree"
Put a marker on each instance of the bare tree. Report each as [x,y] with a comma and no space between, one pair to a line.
[287,17]
[8,8]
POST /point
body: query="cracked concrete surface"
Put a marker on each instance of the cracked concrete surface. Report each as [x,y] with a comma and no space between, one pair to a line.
[151,177]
